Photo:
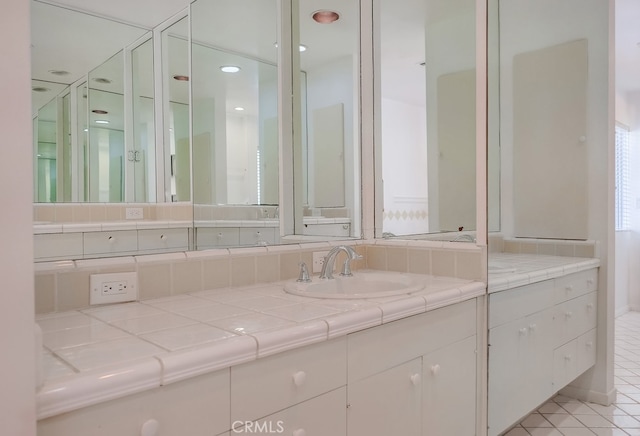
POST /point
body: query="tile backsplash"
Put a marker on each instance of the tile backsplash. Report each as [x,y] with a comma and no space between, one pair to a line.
[101,212]
[64,285]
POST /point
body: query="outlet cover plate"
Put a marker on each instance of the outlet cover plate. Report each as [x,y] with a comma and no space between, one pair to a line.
[134,213]
[113,288]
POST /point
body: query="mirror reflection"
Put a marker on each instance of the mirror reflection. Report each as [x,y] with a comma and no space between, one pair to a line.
[70,47]
[427,112]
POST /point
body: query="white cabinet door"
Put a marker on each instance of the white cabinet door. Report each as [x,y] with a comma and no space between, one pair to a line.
[449,391]
[520,368]
[324,415]
[387,403]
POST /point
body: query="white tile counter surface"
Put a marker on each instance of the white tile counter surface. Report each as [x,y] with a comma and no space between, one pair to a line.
[509,270]
[105,352]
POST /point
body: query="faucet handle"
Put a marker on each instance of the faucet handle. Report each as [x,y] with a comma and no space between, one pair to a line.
[303,277]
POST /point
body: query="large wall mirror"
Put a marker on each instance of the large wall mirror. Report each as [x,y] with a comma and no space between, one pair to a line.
[186,111]
[427,117]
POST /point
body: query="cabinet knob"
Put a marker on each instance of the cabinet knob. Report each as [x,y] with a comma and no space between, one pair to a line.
[299,432]
[567,358]
[111,239]
[523,331]
[299,378]
[589,344]
[163,237]
[345,226]
[415,379]
[590,306]
[220,235]
[568,314]
[150,428]
[590,281]
[532,327]
[435,369]
[569,288]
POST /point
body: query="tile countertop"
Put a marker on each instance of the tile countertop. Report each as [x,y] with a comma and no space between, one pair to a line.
[106,352]
[510,270]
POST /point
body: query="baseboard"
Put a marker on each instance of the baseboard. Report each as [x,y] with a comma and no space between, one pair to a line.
[603,398]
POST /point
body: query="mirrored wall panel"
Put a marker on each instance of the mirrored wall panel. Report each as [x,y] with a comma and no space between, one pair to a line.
[426,100]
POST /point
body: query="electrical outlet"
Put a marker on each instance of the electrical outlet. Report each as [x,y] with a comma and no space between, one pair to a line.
[133,213]
[113,288]
[318,261]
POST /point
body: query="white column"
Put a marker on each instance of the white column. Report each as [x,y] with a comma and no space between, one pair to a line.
[17,401]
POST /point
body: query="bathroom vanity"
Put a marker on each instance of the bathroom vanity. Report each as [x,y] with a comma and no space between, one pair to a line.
[380,366]
[542,333]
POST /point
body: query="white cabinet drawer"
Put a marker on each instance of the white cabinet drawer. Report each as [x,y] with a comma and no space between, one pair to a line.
[257,236]
[112,243]
[199,404]
[338,229]
[574,317]
[565,366]
[163,239]
[408,338]
[276,382]
[574,285]
[586,351]
[213,237]
[325,415]
[517,303]
[53,246]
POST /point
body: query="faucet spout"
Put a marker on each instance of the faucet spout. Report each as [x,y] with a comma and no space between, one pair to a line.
[330,259]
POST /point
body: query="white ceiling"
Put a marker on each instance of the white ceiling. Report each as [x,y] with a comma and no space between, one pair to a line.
[93,40]
[627,50]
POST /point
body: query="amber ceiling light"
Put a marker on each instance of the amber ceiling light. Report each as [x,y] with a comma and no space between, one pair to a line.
[325,16]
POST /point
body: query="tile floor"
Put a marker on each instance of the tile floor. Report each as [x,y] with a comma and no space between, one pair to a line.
[563,416]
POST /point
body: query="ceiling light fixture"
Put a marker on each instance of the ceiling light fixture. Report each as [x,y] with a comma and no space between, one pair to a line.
[325,17]
[229,69]
[40,89]
[102,122]
[181,78]
[239,109]
[99,112]
[102,80]
[302,48]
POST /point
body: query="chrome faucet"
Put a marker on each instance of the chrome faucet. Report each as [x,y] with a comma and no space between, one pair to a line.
[330,259]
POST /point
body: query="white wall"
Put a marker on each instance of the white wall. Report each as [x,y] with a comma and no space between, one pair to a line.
[527,25]
[628,242]
[404,169]
[17,373]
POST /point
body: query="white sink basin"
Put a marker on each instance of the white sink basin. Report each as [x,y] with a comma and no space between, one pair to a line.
[360,285]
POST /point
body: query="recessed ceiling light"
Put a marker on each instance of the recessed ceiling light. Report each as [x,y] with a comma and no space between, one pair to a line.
[230,69]
[325,16]
[102,80]
[40,89]
[59,72]
[99,112]
[239,109]
[102,122]
[303,47]
[181,78]
[86,130]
